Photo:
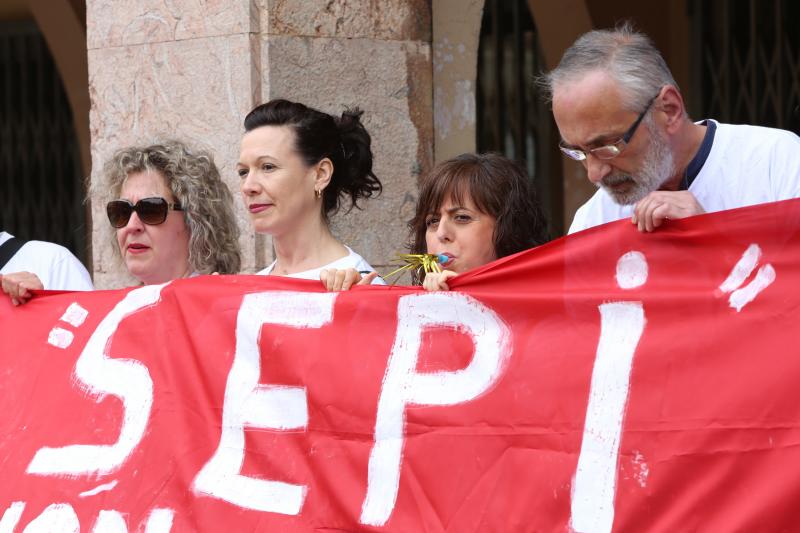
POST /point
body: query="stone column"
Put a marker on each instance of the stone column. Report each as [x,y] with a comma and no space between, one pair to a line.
[374,54]
[456,38]
[193,70]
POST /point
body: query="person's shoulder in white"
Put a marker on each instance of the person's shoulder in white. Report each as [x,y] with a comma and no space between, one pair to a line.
[54,265]
[751,164]
[757,133]
[579,220]
[756,143]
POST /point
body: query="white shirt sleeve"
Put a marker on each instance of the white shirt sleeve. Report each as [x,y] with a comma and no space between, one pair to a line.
[53,264]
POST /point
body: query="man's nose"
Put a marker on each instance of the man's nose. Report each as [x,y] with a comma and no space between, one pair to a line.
[596,169]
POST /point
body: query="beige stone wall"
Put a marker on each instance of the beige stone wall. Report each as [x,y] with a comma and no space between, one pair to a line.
[193,70]
[371,54]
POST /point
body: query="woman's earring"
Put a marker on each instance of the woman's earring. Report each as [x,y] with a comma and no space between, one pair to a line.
[317,194]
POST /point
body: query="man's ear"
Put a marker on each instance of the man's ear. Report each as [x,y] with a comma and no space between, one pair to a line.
[324,174]
[670,103]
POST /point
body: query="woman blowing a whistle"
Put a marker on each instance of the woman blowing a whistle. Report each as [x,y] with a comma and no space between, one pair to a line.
[472,209]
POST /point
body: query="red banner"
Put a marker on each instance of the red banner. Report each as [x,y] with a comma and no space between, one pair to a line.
[610,380]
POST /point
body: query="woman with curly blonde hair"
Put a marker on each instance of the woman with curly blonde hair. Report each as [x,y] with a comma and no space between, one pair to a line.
[172,214]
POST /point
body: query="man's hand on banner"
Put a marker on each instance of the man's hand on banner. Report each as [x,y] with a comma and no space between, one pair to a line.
[653,209]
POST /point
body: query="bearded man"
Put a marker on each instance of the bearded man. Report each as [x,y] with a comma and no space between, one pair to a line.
[620,112]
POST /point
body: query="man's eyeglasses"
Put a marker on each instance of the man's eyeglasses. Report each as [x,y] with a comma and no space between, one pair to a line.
[152,211]
[608,151]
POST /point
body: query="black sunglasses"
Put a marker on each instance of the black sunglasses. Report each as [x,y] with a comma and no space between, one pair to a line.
[152,211]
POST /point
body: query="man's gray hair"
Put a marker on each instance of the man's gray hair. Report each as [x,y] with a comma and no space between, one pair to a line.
[626,55]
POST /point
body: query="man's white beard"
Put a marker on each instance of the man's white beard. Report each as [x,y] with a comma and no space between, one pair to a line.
[657,167]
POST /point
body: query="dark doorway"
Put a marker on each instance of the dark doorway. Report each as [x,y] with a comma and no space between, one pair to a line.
[511,117]
[747,64]
[41,187]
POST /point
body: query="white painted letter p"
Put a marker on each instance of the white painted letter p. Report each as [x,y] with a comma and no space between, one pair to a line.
[403,385]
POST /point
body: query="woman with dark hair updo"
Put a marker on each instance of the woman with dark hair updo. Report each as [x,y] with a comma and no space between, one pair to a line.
[297,165]
[473,209]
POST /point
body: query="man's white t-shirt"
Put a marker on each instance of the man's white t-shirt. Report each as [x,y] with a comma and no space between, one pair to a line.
[351,260]
[55,266]
[747,165]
